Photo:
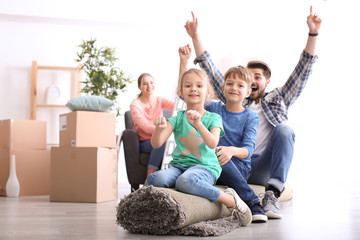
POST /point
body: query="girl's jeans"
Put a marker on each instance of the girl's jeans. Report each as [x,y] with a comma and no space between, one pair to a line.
[196,180]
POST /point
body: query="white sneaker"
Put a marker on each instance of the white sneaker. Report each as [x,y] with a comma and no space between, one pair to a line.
[271,205]
[241,211]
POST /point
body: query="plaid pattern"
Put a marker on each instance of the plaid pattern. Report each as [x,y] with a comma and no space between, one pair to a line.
[275,104]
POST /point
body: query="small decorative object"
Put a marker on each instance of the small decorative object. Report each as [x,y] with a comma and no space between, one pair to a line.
[12,184]
[52,95]
[103,78]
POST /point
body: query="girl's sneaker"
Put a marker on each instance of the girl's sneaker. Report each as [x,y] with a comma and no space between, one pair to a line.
[241,211]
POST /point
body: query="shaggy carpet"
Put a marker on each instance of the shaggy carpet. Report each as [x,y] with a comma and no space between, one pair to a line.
[161,211]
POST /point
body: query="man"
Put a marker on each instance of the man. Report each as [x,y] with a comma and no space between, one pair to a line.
[274,146]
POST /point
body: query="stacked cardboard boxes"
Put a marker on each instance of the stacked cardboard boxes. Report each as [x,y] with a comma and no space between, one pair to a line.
[26,139]
[84,166]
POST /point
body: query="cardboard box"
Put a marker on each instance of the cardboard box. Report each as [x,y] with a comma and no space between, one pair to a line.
[83,174]
[32,171]
[22,134]
[87,129]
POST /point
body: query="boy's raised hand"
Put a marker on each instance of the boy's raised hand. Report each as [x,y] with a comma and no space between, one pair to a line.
[160,122]
[185,53]
[313,21]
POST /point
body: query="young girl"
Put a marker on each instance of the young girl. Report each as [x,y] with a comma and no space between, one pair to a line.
[195,168]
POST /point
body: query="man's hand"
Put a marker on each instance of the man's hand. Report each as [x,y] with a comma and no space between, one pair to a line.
[224,154]
[313,22]
[192,26]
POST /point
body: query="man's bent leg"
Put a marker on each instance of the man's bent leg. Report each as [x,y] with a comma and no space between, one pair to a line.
[282,140]
[272,166]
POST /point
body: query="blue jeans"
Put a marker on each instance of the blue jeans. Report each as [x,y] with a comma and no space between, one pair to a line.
[156,155]
[272,166]
[196,180]
[234,175]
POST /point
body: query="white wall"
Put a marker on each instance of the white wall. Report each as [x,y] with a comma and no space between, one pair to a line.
[147,35]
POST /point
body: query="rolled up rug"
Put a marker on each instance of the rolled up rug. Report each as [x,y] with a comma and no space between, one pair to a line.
[151,210]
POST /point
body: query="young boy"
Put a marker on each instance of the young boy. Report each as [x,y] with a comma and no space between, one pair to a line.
[240,124]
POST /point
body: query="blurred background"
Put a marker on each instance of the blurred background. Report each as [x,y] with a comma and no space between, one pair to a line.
[147,35]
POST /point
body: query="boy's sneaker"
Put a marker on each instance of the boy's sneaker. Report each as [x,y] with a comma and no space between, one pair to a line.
[241,211]
[258,214]
[271,205]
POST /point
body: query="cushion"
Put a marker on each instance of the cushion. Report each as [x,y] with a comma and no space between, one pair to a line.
[90,103]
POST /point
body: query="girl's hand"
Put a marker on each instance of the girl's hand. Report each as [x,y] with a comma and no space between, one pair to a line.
[160,122]
[193,117]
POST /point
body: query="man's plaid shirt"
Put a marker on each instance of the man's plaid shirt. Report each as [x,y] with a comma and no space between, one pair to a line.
[274,104]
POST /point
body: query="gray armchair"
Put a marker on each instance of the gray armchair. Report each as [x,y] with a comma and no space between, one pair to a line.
[136,162]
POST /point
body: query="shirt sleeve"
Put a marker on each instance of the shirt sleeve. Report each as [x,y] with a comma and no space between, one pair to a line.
[250,132]
[167,104]
[141,123]
[216,121]
[216,77]
[298,78]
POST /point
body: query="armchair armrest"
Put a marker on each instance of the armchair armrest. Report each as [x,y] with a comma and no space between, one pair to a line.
[131,145]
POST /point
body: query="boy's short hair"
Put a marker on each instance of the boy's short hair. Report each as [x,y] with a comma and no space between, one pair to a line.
[261,65]
[241,72]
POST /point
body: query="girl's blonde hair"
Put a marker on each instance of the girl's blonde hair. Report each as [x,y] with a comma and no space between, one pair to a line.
[202,75]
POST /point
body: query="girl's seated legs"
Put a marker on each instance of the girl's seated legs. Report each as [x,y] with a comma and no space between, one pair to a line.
[198,180]
[165,178]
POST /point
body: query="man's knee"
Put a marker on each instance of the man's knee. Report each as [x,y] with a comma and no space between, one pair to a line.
[284,131]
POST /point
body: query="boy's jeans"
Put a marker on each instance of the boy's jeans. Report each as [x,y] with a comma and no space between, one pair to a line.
[272,166]
[234,175]
[196,180]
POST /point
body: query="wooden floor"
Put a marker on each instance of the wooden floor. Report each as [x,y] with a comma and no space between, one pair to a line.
[304,217]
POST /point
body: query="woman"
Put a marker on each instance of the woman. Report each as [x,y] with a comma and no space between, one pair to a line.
[144,109]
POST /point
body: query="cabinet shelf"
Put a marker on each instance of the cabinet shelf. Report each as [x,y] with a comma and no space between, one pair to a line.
[50,105]
[75,86]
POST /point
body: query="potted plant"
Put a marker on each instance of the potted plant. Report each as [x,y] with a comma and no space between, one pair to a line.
[102,77]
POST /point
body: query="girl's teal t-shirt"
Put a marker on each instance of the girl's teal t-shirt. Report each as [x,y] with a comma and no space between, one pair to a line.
[190,147]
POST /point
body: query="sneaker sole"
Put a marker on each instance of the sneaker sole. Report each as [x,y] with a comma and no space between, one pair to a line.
[272,215]
[248,218]
[259,218]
